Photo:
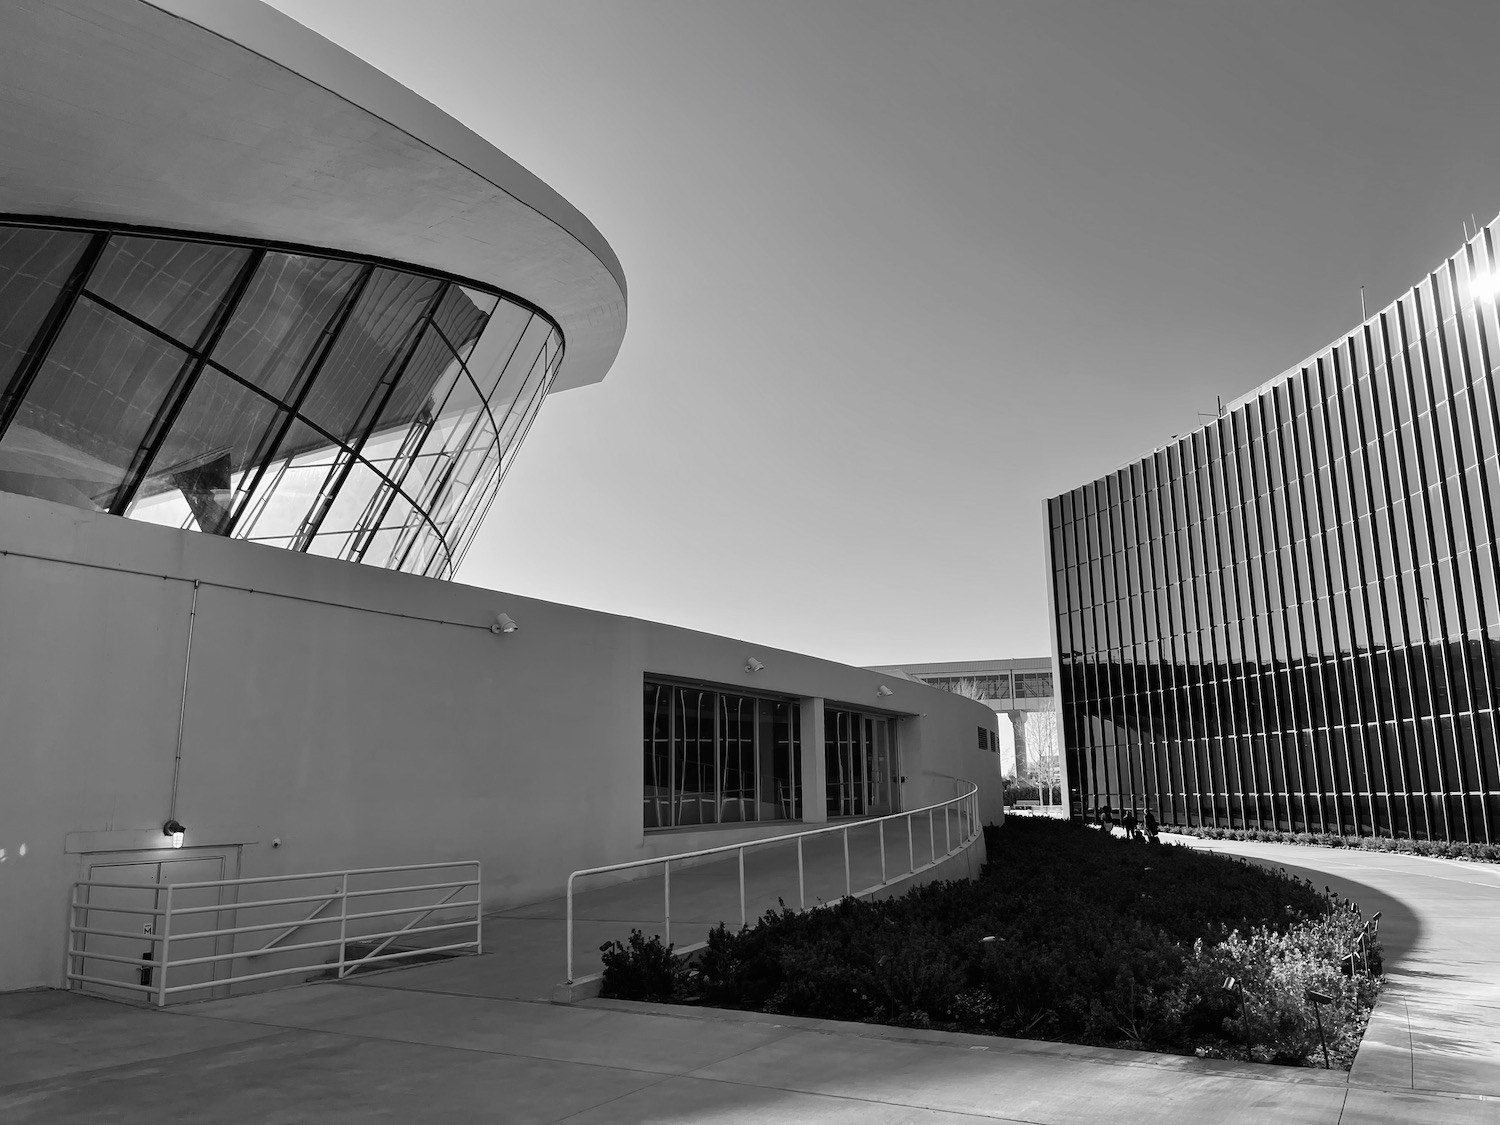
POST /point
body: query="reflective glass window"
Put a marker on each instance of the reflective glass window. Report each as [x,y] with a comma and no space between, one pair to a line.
[83,420]
[173,286]
[209,457]
[34,265]
[287,311]
[367,358]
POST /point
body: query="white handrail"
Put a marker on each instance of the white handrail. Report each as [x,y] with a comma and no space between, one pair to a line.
[158,960]
[965,804]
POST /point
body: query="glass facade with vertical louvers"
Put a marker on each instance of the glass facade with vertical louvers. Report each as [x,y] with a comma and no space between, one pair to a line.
[299,399]
[1290,618]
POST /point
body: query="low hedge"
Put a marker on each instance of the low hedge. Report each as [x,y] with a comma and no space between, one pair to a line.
[1070,935]
[1439,849]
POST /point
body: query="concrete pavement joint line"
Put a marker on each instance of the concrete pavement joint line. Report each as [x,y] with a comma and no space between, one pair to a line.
[452,1046]
[1411,1047]
[138,1066]
[1002,1046]
[660,1078]
[692,1076]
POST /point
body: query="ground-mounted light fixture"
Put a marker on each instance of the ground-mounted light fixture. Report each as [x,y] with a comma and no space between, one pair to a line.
[753,665]
[1317,1000]
[504,623]
[884,692]
[176,831]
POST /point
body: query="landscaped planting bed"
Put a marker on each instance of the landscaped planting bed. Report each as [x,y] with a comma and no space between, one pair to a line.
[1070,934]
[1433,849]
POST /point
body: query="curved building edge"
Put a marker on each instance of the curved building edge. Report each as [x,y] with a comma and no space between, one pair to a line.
[226,117]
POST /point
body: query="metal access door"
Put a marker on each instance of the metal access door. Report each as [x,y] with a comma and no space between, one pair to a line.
[123,909]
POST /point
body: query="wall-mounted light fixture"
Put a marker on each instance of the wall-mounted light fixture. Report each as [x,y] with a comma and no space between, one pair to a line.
[504,623]
[176,831]
[884,691]
[753,665]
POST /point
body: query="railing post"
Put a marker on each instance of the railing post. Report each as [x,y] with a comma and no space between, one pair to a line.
[75,962]
[343,923]
[931,838]
[166,939]
[947,832]
[911,848]
[570,927]
[478,910]
[801,881]
[848,886]
[666,887]
[880,824]
[744,920]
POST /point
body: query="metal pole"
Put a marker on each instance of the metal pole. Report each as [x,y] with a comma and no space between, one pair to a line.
[187,668]
[880,824]
[666,886]
[166,937]
[911,848]
[343,922]
[848,886]
[478,911]
[743,918]
[931,838]
[569,977]
[801,882]
[1318,1012]
[947,834]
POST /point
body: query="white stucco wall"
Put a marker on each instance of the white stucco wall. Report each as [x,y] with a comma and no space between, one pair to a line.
[359,716]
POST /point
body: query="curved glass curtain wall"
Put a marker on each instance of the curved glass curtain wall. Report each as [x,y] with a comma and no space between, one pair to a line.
[329,405]
[1291,618]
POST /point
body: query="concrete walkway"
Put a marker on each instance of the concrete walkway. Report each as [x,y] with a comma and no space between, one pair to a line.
[439,1043]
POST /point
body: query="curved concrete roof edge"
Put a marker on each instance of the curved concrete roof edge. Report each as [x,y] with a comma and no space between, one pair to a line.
[280,39]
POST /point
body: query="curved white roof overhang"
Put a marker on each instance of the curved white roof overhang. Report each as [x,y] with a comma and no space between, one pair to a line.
[227,117]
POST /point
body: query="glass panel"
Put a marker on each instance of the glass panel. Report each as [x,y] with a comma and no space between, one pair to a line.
[289,487]
[84,418]
[498,344]
[432,377]
[273,336]
[484,302]
[657,747]
[368,353]
[209,457]
[175,286]
[34,264]
[349,507]
[459,318]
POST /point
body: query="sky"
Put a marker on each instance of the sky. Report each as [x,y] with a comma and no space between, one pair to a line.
[899,272]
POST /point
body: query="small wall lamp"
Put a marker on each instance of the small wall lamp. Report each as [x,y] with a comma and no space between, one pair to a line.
[753,665]
[504,623]
[175,830]
[884,691]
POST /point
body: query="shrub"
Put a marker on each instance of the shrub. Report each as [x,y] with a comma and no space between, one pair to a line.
[1068,934]
[641,970]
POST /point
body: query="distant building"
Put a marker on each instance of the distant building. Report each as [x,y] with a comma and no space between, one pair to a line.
[1290,617]
[1019,689]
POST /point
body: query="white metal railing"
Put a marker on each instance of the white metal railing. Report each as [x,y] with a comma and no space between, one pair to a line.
[190,948]
[965,807]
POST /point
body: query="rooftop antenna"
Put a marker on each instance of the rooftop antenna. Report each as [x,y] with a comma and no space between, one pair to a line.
[1362,315]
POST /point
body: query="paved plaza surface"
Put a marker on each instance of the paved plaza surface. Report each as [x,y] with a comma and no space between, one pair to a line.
[469,1040]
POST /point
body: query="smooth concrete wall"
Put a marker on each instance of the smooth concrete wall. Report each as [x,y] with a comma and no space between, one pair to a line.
[360,717]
